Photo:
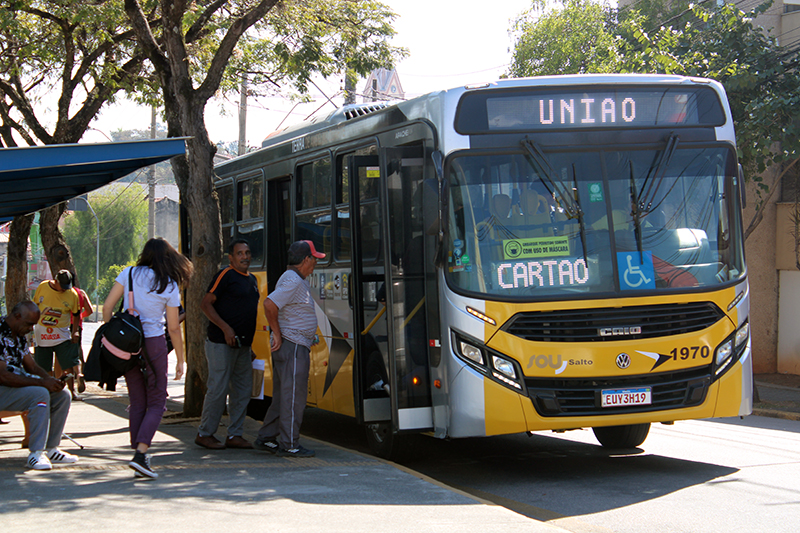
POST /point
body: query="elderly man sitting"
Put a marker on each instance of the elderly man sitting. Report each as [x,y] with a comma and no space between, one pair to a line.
[25,386]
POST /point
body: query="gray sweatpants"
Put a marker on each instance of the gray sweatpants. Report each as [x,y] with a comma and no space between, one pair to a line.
[47,412]
[290,365]
[230,375]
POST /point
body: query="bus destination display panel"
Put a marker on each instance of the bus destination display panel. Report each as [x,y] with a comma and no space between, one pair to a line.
[589,107]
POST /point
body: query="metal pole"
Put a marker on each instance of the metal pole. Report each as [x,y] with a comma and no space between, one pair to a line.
[151,184]
[96,263]
[243,116]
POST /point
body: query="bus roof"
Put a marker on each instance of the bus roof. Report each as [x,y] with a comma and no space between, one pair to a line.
[412,108]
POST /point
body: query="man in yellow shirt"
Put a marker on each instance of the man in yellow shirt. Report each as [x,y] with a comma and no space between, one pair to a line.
[58,329]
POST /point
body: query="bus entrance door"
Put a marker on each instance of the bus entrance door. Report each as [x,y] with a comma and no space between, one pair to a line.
[366,290]
[389,300]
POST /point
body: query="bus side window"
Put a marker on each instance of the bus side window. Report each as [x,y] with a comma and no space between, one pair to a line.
[225,194]
[250,215]
[313,217]
[369,188]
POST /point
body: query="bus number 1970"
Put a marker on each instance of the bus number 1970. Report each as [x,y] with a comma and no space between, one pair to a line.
[690,352]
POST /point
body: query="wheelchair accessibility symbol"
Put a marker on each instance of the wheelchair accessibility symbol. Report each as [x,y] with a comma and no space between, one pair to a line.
[636,270]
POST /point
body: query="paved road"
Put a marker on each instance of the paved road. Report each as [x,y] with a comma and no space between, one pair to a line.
[699,476]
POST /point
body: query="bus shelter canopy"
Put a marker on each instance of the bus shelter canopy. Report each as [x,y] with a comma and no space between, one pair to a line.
[34,178]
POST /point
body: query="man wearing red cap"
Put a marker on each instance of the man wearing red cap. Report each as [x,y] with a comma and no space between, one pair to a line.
[292,318]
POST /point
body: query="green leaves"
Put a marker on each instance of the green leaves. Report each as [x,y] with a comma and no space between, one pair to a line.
[575,37]
[721,43]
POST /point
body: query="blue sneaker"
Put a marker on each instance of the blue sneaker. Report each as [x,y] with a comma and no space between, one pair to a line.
[270,445]
[295,452]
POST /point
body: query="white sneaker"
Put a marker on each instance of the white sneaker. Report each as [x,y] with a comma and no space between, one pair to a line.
[39,461]
[56,456]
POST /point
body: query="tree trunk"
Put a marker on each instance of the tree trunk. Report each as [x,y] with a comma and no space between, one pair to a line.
[17,272]
[55,248]
[194,175]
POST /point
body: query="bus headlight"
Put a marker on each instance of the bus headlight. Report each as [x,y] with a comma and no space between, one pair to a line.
[724,352]
[488,362]
[504,371]
[470,352]
[741,334]
[504,366]
[731,349]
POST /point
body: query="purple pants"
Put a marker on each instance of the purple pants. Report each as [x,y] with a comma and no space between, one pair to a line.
[148,402]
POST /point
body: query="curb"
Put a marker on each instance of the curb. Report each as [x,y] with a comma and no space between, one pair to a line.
[784,415]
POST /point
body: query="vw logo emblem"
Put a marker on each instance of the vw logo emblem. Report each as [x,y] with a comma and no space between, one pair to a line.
[623,361]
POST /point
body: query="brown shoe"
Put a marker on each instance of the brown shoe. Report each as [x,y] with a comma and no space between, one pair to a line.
[209,442]
[237,442]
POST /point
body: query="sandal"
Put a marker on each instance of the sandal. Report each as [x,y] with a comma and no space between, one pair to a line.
[81,384]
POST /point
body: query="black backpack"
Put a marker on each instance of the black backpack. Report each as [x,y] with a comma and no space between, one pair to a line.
[122,338]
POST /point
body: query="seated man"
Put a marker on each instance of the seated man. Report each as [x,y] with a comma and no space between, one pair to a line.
[25,386]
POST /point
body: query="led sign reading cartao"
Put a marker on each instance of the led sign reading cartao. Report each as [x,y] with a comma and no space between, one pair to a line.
[546,273]
[563,108]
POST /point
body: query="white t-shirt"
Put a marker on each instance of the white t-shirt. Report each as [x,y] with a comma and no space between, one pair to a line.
[150,305]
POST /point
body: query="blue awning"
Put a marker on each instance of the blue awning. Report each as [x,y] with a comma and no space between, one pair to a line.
[34,178]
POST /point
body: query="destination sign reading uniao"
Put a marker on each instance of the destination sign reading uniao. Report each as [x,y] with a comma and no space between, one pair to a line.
[589,107]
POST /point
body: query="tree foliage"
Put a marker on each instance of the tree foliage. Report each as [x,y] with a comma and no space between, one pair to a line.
[570,37]
[706,40]
[60,62]
[122,213]
[760,77]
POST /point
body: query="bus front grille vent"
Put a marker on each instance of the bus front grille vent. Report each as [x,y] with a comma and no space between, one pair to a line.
[613,324]
[582,397]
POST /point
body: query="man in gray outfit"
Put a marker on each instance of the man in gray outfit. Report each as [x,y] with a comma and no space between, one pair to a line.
[292,317]
[25,386]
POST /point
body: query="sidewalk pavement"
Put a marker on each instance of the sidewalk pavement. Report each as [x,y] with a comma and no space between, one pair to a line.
[238,490]
[778,396]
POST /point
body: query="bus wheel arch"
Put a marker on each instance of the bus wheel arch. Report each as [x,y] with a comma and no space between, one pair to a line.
[620,437]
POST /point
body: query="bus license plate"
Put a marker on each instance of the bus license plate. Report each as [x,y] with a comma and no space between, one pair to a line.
[624,397]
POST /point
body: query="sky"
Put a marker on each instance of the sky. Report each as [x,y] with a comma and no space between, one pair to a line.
[450,43]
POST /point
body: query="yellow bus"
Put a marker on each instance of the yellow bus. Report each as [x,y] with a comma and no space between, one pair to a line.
[532,254]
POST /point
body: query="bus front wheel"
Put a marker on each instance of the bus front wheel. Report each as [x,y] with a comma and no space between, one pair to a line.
[622,436]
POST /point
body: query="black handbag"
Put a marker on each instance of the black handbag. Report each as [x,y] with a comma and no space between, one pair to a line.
[122,338]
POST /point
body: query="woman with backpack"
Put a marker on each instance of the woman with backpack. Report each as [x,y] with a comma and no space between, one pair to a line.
[157,278]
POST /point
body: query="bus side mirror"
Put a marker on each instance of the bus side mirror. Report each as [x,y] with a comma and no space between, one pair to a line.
[436,156]
[740,184]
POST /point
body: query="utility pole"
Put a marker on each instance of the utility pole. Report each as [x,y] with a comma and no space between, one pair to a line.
[243,116]
[349,86]
[151,183]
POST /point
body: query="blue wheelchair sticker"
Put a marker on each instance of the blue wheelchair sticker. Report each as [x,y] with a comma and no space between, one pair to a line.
[636,270]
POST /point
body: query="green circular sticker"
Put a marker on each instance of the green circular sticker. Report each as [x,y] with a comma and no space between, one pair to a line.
[512,249]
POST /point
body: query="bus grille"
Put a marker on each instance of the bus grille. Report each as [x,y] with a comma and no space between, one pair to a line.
[586,325]
[581,397]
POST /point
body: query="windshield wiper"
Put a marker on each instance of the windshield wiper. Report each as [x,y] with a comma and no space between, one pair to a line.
[654,178]
[636,211]
[559,191]
[580,215]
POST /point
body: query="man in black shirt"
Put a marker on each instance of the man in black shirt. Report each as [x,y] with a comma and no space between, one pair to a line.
[231,306]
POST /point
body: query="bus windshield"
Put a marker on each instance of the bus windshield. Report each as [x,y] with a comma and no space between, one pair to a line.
[593,222]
